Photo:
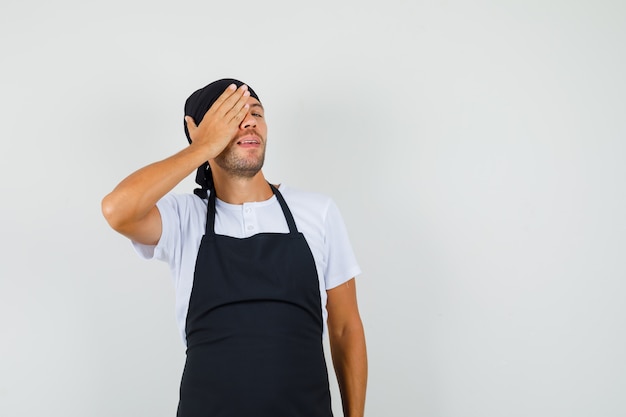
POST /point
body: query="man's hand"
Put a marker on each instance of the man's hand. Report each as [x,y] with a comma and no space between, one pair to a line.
[131,207]
[221,122]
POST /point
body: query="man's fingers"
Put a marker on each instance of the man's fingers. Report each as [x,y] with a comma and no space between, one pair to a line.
[241,114]
[227,99]
[191,124]
[221,121]
[239,108]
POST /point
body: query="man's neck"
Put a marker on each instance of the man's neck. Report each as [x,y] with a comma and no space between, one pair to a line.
[239,190]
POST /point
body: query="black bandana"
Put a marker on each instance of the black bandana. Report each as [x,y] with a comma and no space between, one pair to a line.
[196,106]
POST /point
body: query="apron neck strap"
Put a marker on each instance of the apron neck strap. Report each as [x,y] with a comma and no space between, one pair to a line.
[210,215]
[288,216]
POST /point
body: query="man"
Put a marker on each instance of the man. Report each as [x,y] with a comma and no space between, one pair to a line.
[260,271]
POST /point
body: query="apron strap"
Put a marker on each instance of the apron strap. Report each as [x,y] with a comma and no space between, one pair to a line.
[288,216]
[210,215]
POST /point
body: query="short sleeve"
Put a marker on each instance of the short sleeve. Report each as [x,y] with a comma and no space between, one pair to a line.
[170,209]
[341,263]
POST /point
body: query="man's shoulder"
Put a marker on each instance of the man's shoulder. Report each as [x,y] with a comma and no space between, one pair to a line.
[182,203]
[300,195]
[182,198]
[306,202]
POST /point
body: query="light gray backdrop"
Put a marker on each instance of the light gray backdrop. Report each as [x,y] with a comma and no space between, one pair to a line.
[476,150]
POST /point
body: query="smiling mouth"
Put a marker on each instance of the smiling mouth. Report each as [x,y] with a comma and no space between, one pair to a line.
[249,141]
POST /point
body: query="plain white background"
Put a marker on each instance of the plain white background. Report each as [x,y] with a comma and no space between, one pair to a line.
[475,149]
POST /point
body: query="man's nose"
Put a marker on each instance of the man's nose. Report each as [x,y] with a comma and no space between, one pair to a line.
[248,122]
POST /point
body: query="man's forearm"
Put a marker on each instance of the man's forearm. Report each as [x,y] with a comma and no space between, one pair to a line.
[135,196]
[350,362]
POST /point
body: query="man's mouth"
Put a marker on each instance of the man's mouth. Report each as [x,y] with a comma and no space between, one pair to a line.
[247,141]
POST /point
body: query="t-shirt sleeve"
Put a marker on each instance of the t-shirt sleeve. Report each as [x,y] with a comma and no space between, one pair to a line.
[341,263]
[170,208]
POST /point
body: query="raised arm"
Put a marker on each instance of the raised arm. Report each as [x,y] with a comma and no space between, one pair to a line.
[347,344]
[130,208]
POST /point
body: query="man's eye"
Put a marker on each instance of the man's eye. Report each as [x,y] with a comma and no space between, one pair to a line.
[257,115]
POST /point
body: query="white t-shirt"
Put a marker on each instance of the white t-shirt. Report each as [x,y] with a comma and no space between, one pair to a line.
[317,217]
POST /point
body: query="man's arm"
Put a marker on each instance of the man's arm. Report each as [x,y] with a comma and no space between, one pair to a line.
[347,345]
[131,208]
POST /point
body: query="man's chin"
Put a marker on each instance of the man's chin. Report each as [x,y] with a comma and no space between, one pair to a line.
[240,168]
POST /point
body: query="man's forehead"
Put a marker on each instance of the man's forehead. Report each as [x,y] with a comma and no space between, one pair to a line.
[253,102]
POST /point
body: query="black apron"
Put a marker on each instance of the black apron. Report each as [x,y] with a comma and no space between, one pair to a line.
[254,327]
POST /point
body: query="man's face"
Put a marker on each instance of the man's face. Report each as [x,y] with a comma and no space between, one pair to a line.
[245,155]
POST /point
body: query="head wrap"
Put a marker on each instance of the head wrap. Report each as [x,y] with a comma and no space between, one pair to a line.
[196,106]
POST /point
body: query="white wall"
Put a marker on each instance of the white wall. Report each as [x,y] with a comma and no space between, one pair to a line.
[476,151]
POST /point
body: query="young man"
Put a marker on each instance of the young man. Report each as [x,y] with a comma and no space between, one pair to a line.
[260,271]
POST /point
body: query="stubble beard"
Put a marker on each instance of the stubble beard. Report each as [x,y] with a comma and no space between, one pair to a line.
[240,166]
